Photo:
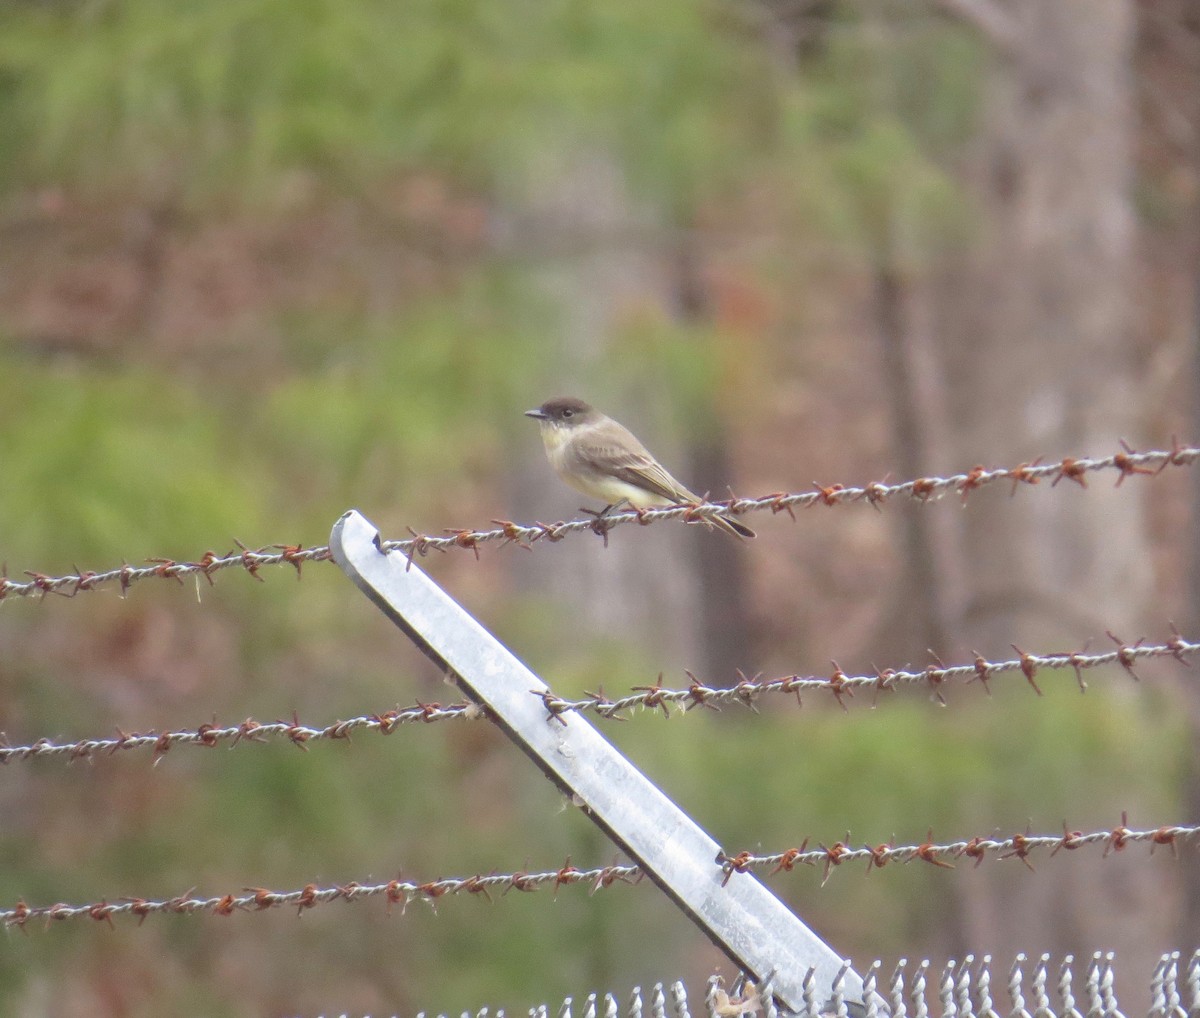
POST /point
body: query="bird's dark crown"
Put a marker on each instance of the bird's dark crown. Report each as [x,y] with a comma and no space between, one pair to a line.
[562,410]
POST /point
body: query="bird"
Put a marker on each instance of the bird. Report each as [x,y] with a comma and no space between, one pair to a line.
[603,459]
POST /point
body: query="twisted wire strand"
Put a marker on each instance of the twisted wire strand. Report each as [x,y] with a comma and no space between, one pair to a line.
[403,892]
[1127,463]
[746,693]
[1017,846]
[211,735]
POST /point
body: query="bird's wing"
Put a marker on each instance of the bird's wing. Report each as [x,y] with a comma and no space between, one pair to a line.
[629,461]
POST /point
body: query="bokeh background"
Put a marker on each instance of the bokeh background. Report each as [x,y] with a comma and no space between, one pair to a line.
[263,261]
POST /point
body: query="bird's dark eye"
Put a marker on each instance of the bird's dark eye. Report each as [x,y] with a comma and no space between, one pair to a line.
[568,412]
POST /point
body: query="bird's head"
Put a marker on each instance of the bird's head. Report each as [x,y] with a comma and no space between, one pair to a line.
[563,412]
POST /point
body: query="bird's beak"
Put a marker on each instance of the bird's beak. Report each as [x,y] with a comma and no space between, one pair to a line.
[537,413]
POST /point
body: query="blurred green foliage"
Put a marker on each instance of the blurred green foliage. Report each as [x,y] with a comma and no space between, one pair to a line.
[415,395]
[871,134]
[229,96]
[101,461]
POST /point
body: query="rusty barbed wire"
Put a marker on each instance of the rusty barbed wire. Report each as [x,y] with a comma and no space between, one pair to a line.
[1127,463]
[1017,846]
[258,899]
[402,892]
[840,685]
[83,580]
[211,735]
[654,698]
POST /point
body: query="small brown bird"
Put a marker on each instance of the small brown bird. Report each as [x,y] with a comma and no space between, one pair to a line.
[602,459]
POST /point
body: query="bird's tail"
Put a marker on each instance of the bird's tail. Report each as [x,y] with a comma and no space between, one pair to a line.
[729,526]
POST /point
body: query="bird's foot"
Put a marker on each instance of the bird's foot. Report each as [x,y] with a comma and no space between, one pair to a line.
[601,524]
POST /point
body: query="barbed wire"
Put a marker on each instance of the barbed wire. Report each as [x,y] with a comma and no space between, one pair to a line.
[211,735]
[1018,846]
[258,899]
[840,685]
[747,692]
[1127,463]
[402,892]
